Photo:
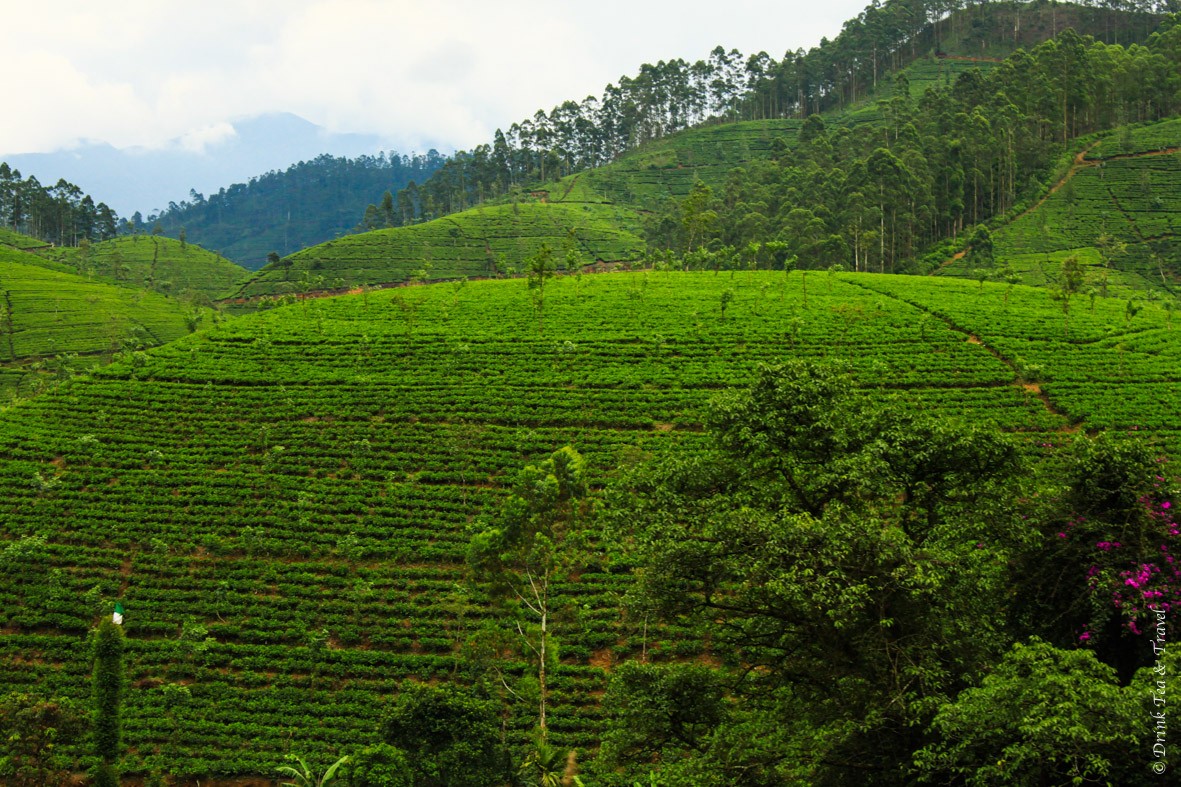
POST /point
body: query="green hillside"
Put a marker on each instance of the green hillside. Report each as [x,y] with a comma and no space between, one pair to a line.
[668,167]
[19,241]
[599,205]
[284,503]
[486,241]
[49,316]
[285,211]
[835,78]
[157,263]
[1114,210]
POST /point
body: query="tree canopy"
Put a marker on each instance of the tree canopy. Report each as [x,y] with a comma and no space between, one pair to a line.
[852,566]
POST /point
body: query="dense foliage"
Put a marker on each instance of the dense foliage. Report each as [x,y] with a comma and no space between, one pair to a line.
[875,197]
[283,212]
[728,86]
[853,567]
[59,214]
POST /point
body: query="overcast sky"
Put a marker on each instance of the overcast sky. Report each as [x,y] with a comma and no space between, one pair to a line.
[421,74]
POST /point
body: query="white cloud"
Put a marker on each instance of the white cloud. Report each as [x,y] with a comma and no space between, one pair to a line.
[61,105]
[198,140]
[140,72]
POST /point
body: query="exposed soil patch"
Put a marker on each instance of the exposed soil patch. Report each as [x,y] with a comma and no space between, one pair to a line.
[602,659]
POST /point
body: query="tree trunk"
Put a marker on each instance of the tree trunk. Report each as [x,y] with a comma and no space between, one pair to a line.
[541,673]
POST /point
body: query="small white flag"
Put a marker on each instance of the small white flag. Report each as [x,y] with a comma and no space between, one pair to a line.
[118,616]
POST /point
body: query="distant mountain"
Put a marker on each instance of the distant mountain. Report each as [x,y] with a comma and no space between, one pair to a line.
[148,179]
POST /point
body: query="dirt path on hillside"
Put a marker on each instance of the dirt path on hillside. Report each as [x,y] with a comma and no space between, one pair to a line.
[1080,162]
[1028,388]
[573,182]
[959,255]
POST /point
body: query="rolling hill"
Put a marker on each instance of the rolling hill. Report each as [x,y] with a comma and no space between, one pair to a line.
[483,242]
[55,323]
[283,503]
[603,207]
[1114,210]
[926,157]
[164,265]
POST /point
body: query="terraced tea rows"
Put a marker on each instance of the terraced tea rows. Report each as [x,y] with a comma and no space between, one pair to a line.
[283,503]
[670,166]
[156,263]
[1116,214]
[1103,367]
[482,242]
[47,314]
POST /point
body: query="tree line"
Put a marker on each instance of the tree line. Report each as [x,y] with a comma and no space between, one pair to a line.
[61,214]
[728,86]
[284,211]
[876,196]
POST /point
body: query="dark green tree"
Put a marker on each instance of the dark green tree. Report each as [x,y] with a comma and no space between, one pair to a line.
[450,737]
[980,248]
[380,765]
[848,555]
[107,729]
[1008,730]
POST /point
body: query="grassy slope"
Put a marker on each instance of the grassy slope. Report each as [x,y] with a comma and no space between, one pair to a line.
[1128,185]
[218,481]
[50,312]
[475,243]
[46,312]
[157,263]
[599,205]
[22,242]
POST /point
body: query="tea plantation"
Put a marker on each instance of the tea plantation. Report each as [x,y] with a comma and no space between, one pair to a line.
[483,242]
[157,263]
[1115,211]
[283,503]
[55,321]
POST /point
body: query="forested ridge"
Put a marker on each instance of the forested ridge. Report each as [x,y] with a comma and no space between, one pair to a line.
[879,196]
[902,183]
[308,203]
[60,214]
[670,96]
